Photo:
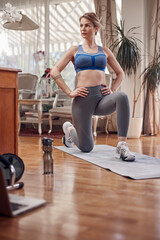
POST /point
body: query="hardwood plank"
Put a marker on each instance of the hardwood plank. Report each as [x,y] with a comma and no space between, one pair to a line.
[85,202]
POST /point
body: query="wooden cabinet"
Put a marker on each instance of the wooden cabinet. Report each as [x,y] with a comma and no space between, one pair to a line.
[9,110]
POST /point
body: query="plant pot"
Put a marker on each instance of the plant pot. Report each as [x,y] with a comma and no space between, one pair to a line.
[135,128]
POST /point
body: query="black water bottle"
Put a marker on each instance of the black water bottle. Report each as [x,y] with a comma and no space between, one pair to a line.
[47,155]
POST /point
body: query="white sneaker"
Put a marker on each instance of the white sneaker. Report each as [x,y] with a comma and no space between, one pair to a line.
[124,153]
[118,150]
[67,140]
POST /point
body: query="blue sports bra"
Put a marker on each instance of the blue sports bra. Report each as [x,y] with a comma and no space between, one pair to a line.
[88,61]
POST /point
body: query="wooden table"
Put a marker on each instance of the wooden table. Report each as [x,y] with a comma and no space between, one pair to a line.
[9,110]
[35,117]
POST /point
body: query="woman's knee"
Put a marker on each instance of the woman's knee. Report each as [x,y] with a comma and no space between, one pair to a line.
[122,97]
[86,148]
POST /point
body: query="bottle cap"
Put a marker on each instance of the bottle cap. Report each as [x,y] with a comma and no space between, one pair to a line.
[47,141]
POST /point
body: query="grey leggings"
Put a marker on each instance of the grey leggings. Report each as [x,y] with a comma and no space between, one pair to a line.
[97,104]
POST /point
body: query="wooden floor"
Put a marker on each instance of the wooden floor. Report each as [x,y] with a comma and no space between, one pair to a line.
[85,202]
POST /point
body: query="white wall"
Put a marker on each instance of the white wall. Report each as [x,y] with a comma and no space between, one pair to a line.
[135,13]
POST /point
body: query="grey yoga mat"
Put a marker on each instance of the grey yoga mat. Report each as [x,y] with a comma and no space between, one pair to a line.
[104,156]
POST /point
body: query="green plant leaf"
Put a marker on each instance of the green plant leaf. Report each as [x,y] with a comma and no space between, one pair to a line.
[152,73]
[128,54]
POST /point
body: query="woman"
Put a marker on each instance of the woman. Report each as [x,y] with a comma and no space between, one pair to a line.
[92,96]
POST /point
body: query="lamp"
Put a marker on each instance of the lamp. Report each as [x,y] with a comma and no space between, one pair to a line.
[15,20]
[25,24]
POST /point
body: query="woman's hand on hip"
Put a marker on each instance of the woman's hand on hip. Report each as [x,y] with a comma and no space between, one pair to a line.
[80,91]
[106,90]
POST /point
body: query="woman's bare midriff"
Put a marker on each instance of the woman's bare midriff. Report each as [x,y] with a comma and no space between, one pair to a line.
[90,78]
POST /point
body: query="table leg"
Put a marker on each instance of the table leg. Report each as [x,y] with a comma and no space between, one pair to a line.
[95,122]
[19,118]
[40,118]
[50,123]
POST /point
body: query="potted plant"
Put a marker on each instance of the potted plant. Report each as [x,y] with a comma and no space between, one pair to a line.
[128,55]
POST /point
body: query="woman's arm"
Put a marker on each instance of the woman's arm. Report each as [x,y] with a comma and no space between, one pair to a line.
[61,64]
[113,63]
[56,74]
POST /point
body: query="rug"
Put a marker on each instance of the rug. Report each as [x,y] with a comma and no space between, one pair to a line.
[31,132]
[143,167]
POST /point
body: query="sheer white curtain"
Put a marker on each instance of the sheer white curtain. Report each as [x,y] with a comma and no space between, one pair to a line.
[106,10]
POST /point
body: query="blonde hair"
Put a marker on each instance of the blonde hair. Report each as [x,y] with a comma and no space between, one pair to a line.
[91,16]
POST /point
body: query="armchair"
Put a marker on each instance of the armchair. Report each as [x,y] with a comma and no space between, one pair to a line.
[30,107]
[27,84]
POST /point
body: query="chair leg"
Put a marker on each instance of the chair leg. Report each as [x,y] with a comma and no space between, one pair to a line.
[95,122]
[19,127]
[106,128]
[50,123]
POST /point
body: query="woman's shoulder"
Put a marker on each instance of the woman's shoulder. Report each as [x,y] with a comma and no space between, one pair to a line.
[107,51]
[73,48]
